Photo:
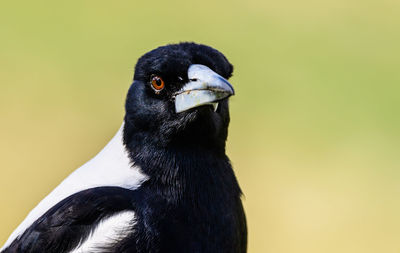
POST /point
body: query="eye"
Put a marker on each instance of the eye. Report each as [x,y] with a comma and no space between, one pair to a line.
[157,83]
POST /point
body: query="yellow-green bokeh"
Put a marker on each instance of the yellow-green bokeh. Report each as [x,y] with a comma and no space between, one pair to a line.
[314,137]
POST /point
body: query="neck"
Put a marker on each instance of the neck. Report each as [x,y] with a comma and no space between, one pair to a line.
[178,171]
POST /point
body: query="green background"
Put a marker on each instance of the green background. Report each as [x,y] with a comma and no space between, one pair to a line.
[314,137]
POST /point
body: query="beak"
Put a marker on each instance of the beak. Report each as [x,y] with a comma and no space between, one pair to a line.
[204,88]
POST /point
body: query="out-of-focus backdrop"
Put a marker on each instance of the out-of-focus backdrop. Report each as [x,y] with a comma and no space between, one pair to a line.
[315,130]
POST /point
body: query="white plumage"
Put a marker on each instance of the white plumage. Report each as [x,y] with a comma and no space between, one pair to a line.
[111,167]
[109,230]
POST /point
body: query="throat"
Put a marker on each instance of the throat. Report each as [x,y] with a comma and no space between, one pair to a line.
[181,174]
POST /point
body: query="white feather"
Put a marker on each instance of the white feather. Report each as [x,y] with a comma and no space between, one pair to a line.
[111,167]
[109,230]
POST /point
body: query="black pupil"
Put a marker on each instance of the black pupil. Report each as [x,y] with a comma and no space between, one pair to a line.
[158,81]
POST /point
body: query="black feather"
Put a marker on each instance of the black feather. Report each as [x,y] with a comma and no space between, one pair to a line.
[192,199]
[72,220]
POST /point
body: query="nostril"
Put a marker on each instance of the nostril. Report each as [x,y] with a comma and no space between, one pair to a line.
[193,79]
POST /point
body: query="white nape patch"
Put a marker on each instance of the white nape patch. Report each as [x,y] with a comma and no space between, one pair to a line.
[111,167]
[109,230]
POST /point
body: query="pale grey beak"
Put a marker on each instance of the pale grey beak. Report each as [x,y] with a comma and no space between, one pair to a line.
[205,87]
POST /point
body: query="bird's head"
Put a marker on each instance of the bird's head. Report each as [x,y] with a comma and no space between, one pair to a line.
[179,98]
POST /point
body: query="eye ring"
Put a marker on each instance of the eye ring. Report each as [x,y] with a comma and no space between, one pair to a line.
[157,83]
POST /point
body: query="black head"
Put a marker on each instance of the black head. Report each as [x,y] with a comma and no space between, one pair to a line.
[162,76]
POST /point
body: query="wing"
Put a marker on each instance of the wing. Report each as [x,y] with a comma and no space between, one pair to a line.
[110,168]
[72,221]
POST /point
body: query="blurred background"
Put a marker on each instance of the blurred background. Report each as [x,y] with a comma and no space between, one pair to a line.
[314,137]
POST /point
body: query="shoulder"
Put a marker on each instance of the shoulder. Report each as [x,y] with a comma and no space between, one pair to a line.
[79,220]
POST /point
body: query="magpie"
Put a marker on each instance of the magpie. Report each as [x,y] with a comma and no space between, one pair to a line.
[164,182]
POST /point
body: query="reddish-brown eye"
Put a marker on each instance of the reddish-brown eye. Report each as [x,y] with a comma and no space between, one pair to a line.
[157,83]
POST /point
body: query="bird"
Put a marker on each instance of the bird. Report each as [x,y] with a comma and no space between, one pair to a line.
[164,182]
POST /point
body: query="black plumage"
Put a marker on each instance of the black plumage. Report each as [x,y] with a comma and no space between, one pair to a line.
[70,221]
[191,199]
